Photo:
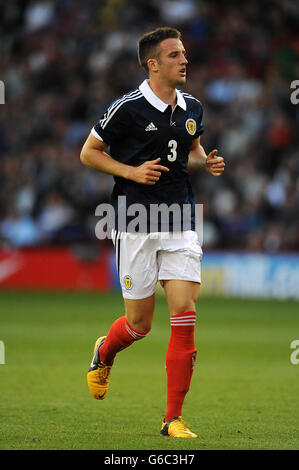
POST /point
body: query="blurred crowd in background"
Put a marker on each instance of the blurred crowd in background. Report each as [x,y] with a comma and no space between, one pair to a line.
[63,62]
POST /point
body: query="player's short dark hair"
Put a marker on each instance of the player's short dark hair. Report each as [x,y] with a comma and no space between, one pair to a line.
[147,44]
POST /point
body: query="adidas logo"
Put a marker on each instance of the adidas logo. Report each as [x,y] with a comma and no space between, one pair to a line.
[151,127]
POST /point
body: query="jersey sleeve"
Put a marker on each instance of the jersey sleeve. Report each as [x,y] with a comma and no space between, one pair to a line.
[113,124]
[199,123]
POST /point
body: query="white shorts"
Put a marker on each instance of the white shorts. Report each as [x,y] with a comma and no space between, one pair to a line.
[144,259]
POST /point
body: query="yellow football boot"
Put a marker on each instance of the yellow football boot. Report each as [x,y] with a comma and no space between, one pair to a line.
[98,373]
[176,427]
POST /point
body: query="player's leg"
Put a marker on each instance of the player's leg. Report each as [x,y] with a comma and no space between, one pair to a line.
[136,265]
[181,352]
[127,329]
[180,273]
[133,326]
[181,295]
[140,313]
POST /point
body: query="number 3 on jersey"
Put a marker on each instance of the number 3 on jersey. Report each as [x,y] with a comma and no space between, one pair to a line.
[172,144]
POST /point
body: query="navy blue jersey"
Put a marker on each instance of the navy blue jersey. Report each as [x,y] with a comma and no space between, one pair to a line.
[139,127]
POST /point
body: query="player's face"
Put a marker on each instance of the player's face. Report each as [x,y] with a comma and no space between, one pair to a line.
[172,62]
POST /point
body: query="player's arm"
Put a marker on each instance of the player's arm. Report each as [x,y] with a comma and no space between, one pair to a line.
[198,159]
[94,156]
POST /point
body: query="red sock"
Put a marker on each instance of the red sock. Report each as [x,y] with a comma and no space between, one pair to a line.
[120,336]
[180,358]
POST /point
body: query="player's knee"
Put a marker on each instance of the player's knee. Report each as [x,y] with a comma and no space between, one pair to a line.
[183,306]
[143,325]
[140,313]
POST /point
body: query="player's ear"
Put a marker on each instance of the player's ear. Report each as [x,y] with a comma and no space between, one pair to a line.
[153,65]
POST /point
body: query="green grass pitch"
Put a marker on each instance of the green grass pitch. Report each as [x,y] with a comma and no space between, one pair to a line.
[244,392]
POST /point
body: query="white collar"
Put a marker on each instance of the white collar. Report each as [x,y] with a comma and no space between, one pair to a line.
[155,101]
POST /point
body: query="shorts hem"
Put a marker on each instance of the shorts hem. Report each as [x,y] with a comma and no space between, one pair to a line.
[130,297]
[176,278]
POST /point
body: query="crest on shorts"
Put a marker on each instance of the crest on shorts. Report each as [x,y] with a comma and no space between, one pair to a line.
[128,282]
[191,126]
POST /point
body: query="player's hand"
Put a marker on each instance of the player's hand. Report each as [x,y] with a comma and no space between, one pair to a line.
[214,164]
[147,173]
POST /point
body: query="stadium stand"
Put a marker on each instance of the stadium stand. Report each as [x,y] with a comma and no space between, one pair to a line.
[63,62]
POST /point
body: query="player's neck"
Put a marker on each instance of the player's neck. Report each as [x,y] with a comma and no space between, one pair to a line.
[165,92]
